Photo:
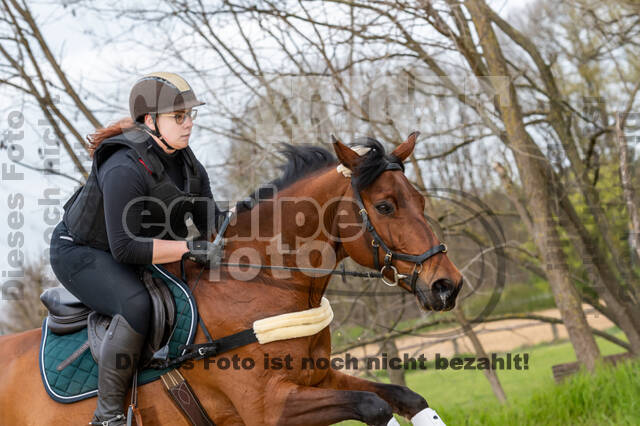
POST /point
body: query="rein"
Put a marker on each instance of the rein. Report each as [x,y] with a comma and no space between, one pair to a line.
[320,271]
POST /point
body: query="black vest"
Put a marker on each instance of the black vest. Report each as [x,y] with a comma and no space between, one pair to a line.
[84,212]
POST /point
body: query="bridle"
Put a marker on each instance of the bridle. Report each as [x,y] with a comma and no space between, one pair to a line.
[377,243]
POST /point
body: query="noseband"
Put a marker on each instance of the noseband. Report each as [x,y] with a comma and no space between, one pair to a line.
[377,243]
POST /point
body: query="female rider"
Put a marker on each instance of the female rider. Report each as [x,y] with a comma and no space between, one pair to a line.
[143,183]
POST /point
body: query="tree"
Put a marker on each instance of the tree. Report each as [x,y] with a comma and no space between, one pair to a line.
[30,68]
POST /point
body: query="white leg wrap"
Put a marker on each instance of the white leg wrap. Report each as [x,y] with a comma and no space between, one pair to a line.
[427,417]
[393,422]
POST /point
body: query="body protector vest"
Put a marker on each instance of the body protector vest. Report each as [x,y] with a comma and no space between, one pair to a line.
[165,208]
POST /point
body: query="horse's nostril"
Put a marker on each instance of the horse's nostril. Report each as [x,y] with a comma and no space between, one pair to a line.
[443,288]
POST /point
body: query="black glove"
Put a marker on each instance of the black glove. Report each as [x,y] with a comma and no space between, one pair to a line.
[245,205]
[204,253]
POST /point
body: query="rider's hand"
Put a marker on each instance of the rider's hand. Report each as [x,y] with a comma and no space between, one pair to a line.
[204,253]
[244,205]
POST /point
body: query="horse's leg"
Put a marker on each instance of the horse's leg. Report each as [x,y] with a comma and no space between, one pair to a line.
[403,400]
[303,405]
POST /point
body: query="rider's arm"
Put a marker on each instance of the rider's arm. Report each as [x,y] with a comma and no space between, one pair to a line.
[202,214]
[168,251]
[122,184]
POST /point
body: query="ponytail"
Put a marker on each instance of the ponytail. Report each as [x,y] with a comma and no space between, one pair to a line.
[96,138]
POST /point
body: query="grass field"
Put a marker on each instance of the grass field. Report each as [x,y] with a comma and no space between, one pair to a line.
[610,397]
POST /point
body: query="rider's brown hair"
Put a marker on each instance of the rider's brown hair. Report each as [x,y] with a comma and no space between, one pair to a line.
[114,129]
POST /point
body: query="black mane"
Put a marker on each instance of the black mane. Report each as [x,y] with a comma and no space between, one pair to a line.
[373,162]
[303,160]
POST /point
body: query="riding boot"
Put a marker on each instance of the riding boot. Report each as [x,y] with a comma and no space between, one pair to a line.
[119,354]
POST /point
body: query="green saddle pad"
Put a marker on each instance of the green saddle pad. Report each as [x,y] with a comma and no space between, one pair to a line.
[79,380]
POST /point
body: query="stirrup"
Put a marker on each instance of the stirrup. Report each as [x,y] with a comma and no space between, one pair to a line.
[108,422]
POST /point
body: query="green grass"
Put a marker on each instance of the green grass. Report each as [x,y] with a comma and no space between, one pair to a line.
[464,397]
[609,397]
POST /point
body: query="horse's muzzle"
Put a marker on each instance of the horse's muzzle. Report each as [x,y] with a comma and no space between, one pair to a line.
[439,296]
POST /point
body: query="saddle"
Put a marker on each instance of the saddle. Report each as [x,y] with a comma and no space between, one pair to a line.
[67,315]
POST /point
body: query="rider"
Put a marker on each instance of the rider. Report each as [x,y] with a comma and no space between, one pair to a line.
[144,182]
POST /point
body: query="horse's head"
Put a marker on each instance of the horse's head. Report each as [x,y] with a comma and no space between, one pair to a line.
[396,237]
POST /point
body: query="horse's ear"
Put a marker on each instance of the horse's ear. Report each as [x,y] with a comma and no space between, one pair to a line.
[404,150]
[347,157]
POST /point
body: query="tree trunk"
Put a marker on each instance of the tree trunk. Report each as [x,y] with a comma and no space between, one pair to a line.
[490,374]
[532,169]
[396,376]
[627,186]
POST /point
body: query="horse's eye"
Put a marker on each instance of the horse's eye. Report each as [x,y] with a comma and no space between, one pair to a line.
[384,208]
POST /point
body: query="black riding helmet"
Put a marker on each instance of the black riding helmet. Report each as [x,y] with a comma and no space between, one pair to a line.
[157,93]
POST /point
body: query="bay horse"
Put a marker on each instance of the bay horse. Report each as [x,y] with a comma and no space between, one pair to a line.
[312,194]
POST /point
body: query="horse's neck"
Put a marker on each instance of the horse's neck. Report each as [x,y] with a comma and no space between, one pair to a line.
[290,230]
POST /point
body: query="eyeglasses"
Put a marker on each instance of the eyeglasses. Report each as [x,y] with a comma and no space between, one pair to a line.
[181,116]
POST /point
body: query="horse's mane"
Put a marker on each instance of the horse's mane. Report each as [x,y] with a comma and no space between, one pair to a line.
[304,160]
[374,162]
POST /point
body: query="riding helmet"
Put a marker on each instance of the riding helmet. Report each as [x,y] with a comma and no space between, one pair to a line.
[160,92]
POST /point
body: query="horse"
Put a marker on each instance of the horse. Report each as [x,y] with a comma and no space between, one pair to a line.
[315,216]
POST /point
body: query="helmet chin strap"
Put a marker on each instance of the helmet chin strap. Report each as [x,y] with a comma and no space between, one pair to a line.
[156,132]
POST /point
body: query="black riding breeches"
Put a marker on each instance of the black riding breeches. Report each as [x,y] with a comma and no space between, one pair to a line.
[99,281]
